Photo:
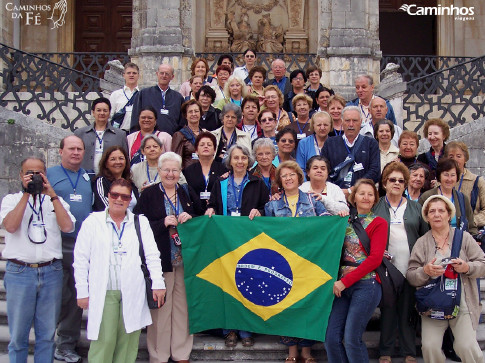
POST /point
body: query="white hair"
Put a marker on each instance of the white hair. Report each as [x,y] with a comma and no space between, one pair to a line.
[170,156]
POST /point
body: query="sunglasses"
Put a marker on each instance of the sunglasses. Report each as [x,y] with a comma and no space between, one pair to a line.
[124,197]
[393,180]
[267,119]
[289,141]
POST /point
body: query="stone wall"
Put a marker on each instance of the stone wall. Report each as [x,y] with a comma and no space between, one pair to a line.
[27,136]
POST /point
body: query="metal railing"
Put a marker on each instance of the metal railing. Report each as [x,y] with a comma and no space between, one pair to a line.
[454,94]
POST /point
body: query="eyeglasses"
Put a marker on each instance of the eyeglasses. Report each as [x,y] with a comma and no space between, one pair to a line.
[270,119]
[271,97]
[393,180]
[289,141]
[168,171]
[299,78]
[288,176]
[250,56]
[124,197]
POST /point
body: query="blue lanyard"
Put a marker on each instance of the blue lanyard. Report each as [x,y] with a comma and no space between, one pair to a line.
[318,151]
[299,128]
[363,112]
[238,196]
[233,138]
[222,91]
[345,144]
[148,175]
[125,94]
[461,181]
[206,181]
[163,97]
[288,204]
[390,206]
[74,186]
[452,196]
[121,233]
[174,207]
[252,132]
[192,139]
[41,200]
[100,140]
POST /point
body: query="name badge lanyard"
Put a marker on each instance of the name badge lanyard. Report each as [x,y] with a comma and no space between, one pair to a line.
[125,94]
[100,140]
[74,186]
[163,98]
[278,119]
[288,204]
[318,151]
[173,206]
[232,140]
[148,176]
[39,217]
[348,150]
[461,181]
[206,181]
[252,132]
[119,235]
[390,206]
[452,195]
[366,116]
[304,126]
[222,91]
[238,196]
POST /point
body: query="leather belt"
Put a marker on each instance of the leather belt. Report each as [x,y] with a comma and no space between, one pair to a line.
[34,265]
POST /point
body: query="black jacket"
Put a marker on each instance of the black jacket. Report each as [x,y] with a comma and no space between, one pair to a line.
[101,186]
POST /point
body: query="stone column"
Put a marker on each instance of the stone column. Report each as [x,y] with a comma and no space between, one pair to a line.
[296,36]
[348,42]
[217,36]
[161,34]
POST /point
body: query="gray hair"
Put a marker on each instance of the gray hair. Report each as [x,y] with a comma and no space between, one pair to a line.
[416,166]
[245,151]
[368,77]
[170,156]
[231,107]
[150,137]
[264,142]
[351,108]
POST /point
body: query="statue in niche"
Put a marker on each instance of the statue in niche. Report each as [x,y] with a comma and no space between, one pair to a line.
[270,38]
[240,33]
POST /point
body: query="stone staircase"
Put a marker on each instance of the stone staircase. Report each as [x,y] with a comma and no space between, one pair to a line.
[212,349]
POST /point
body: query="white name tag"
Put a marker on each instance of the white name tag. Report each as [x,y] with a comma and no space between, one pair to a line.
[75,197]
[129,108]
[164,111]
[195,156]
[86,176]
[235,214]
[300,136]
[119,250]
[98,150]
[451,284]
[396,221]
[205,195]
[358,167]
[348,177]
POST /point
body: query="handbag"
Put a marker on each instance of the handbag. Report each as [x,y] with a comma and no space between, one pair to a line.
[440,299]
[152,304]
[392,280]
[118,117]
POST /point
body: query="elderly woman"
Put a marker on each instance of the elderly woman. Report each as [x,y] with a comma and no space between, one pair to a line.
[183,141]
[383,133]
[417,178]
[425,264]
[470,184]
[249,123]
[286,143]
[223,72]
[336,104]
[234,92]
[322,96]
[148,122]
[109,280]
[436,132]
[294,203]
[405,227]
[228,135]
[146,172]
[317,169]
[265,152]
[199,67]
[408,154]
[166,205]
[357,292]
[210,115]
[273,100]
[320,127]
[448,173]
[302,104]
[257,75]
[267,122]
[202,174]
[240,194]
[113,165]
[196,82]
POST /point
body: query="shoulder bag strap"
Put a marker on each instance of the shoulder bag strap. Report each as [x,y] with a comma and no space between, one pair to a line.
[361,233]
[463,219]
[456,244]
[141,251]
[474,194]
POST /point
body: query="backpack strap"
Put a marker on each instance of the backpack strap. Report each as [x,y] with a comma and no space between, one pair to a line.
[456,244]
[474,194]
[463,220]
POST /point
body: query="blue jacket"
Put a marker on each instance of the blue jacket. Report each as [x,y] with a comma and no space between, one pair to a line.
[307,206]
[305,150]
[390,111]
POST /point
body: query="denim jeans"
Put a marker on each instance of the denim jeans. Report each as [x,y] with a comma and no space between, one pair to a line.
[33,295]
[242,334]
[347,322]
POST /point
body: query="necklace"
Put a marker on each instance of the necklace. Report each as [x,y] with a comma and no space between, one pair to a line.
[445,242]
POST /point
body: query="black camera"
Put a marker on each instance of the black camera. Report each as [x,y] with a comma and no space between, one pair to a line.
[36,185]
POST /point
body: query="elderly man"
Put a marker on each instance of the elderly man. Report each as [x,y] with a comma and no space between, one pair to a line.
[278,67]
[378,111]
[166,101]
[364,87]
[33,219]
[352,156]
[123,98]
[72,183]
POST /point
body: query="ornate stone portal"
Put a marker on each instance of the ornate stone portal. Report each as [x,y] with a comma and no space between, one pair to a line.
[269,26]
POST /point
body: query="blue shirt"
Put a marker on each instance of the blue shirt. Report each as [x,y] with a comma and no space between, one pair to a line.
[63,187]
[231,197]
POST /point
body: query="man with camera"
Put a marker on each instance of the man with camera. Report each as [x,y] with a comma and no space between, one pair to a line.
[33,219]
[72,183]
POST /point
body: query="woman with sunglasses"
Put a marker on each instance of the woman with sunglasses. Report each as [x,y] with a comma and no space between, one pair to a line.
[405,226]
[249,62]
[109,280]
[166,205]
[286,142]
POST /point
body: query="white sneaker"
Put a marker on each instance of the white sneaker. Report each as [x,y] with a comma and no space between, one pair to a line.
[69,356]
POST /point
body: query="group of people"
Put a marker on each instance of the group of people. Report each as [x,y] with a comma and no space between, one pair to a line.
[235,144]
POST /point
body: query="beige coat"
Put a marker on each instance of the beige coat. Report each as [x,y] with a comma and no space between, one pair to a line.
[424,251]
[466,189]
[242,138]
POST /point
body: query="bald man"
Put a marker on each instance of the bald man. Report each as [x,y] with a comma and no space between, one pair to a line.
[166,101]
[378,111]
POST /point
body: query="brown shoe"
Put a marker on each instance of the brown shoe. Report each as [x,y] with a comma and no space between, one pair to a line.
[247,342]
[231,339]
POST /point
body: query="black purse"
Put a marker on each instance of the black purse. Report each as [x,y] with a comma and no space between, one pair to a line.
[438,300]
[392,280]
[152,304]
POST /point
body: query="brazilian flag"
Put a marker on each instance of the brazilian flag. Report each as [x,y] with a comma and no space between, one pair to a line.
[271,275]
